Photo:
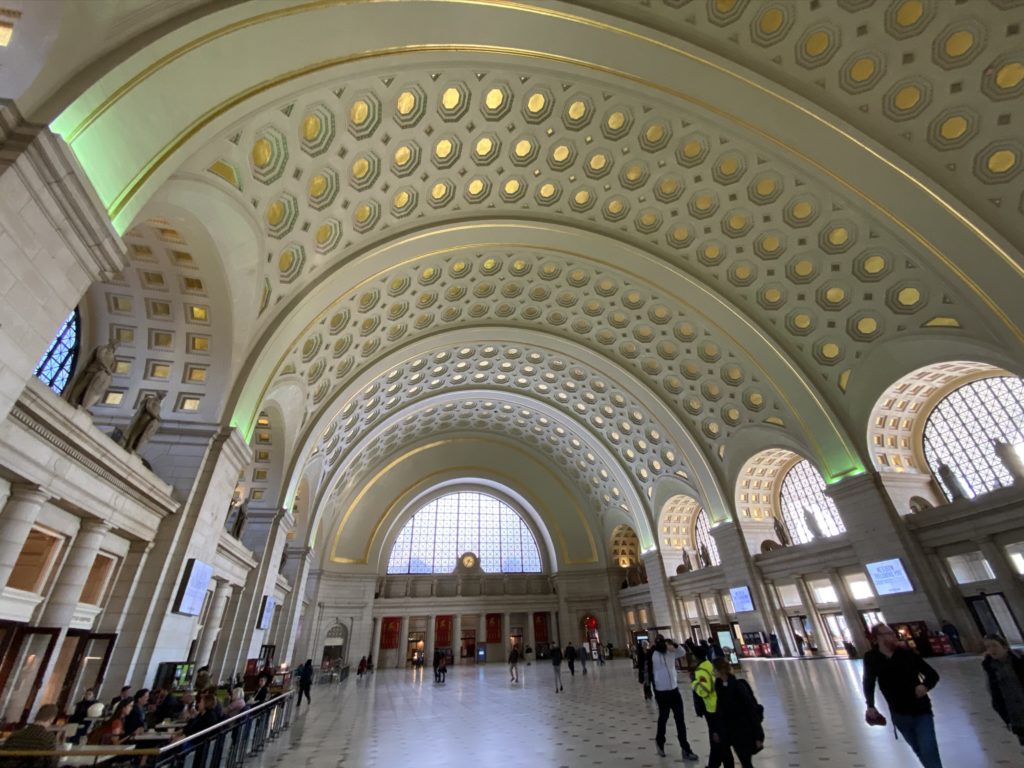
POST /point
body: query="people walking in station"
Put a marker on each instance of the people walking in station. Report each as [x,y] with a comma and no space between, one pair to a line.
[570,656]
[581,653]
[305,682]
[705,693]
[556,663]
[1005,672]
[661,665]
[437,665]
[513,664]
[739,716]
[905,680]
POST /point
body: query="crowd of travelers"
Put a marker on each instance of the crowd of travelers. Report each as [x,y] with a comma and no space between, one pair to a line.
[129,715]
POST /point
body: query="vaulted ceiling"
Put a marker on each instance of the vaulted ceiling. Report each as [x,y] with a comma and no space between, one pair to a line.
[642,249]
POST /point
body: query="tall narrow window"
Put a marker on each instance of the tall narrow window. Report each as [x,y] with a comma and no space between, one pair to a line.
[808,513]
[705,541]
[55,367]
[460,522]
[960,433]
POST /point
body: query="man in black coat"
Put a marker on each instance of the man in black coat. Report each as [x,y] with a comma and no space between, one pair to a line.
[135,723]
[1004,670]
[905,679]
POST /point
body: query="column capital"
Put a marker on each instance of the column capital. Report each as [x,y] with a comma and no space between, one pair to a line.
[29,492]
[93,525]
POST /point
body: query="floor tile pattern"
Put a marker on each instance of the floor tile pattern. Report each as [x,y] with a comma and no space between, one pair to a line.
[813,717]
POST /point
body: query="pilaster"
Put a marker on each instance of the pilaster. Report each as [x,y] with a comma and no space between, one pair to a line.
[55,241]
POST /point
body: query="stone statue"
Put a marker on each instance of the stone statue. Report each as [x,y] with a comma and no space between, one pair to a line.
[241,515]
[811,520]
[952,482]
[687,562]
[780,532]
[94,379]
[144,424]
[705,556]
[1009,458]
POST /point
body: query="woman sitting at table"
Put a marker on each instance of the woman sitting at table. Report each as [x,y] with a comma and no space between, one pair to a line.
[111,730]
[207,717]
[237,704]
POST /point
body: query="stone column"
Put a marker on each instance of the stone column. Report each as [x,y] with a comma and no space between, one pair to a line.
[55,241]
[531,637]
[19,515]
[661,593]
[60,607]
[124,587]
[739,569]
[481,632]
[224,659]
[876,532]
[507,634]
[456,637]
[1007,577]
[821,635]
[293,611]
[375,643]
[850,612]
[705,624]
[429,637]
[403,642]
[221,595]
[785,630]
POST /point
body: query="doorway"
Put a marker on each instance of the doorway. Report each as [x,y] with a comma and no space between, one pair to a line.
[26,657]
[335,646]
[838,630]
[993,616]
[88,665]
[414,649]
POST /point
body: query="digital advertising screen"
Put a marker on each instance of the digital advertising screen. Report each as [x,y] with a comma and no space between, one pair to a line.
[741,599]
[889,577]
[192,592]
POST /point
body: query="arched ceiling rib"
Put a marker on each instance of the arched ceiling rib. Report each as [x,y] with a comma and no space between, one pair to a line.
[587,466]
[151,90]
[935,81]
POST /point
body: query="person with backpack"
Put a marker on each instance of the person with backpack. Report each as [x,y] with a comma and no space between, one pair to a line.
[705,702]
[661,671]
[740,717]
[305,683]
[905,679]
[556,663]
[1004,670]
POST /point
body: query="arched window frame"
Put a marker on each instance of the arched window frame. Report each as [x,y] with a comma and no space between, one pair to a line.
[702,536]
[962,438]
[802,488]
[57,364]
[410,544]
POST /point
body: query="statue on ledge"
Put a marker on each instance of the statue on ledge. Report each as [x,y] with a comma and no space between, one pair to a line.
[952,483]
[94,379]
[144,424]
[1009,459]
[705,556]
[780,532]
[813,526]
[241,515]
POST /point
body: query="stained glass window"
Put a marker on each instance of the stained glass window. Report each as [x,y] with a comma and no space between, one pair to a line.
[460,522]
[806,510]
[55,367]
[705,541]
[961,430]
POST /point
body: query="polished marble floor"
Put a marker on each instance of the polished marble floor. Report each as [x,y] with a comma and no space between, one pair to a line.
[813,717]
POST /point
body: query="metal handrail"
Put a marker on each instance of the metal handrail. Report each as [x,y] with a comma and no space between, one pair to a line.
[178,749]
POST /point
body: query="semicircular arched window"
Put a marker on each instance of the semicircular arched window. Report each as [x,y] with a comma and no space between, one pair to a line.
[961,429]
[56,365]
[808,513]
[705,541]
[465,521]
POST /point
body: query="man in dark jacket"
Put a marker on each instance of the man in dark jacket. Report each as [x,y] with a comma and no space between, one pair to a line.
[1005,672]
[739,716]
[570,656]
[34,736]
[905,679]
[556,663]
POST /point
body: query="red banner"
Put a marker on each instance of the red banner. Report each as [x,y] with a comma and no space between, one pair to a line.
[443,632]
[494,627]
[389,629]
[540,627]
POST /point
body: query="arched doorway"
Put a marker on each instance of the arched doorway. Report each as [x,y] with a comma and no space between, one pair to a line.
[335,648]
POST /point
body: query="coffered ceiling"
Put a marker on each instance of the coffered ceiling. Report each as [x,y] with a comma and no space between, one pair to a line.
[640,253]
